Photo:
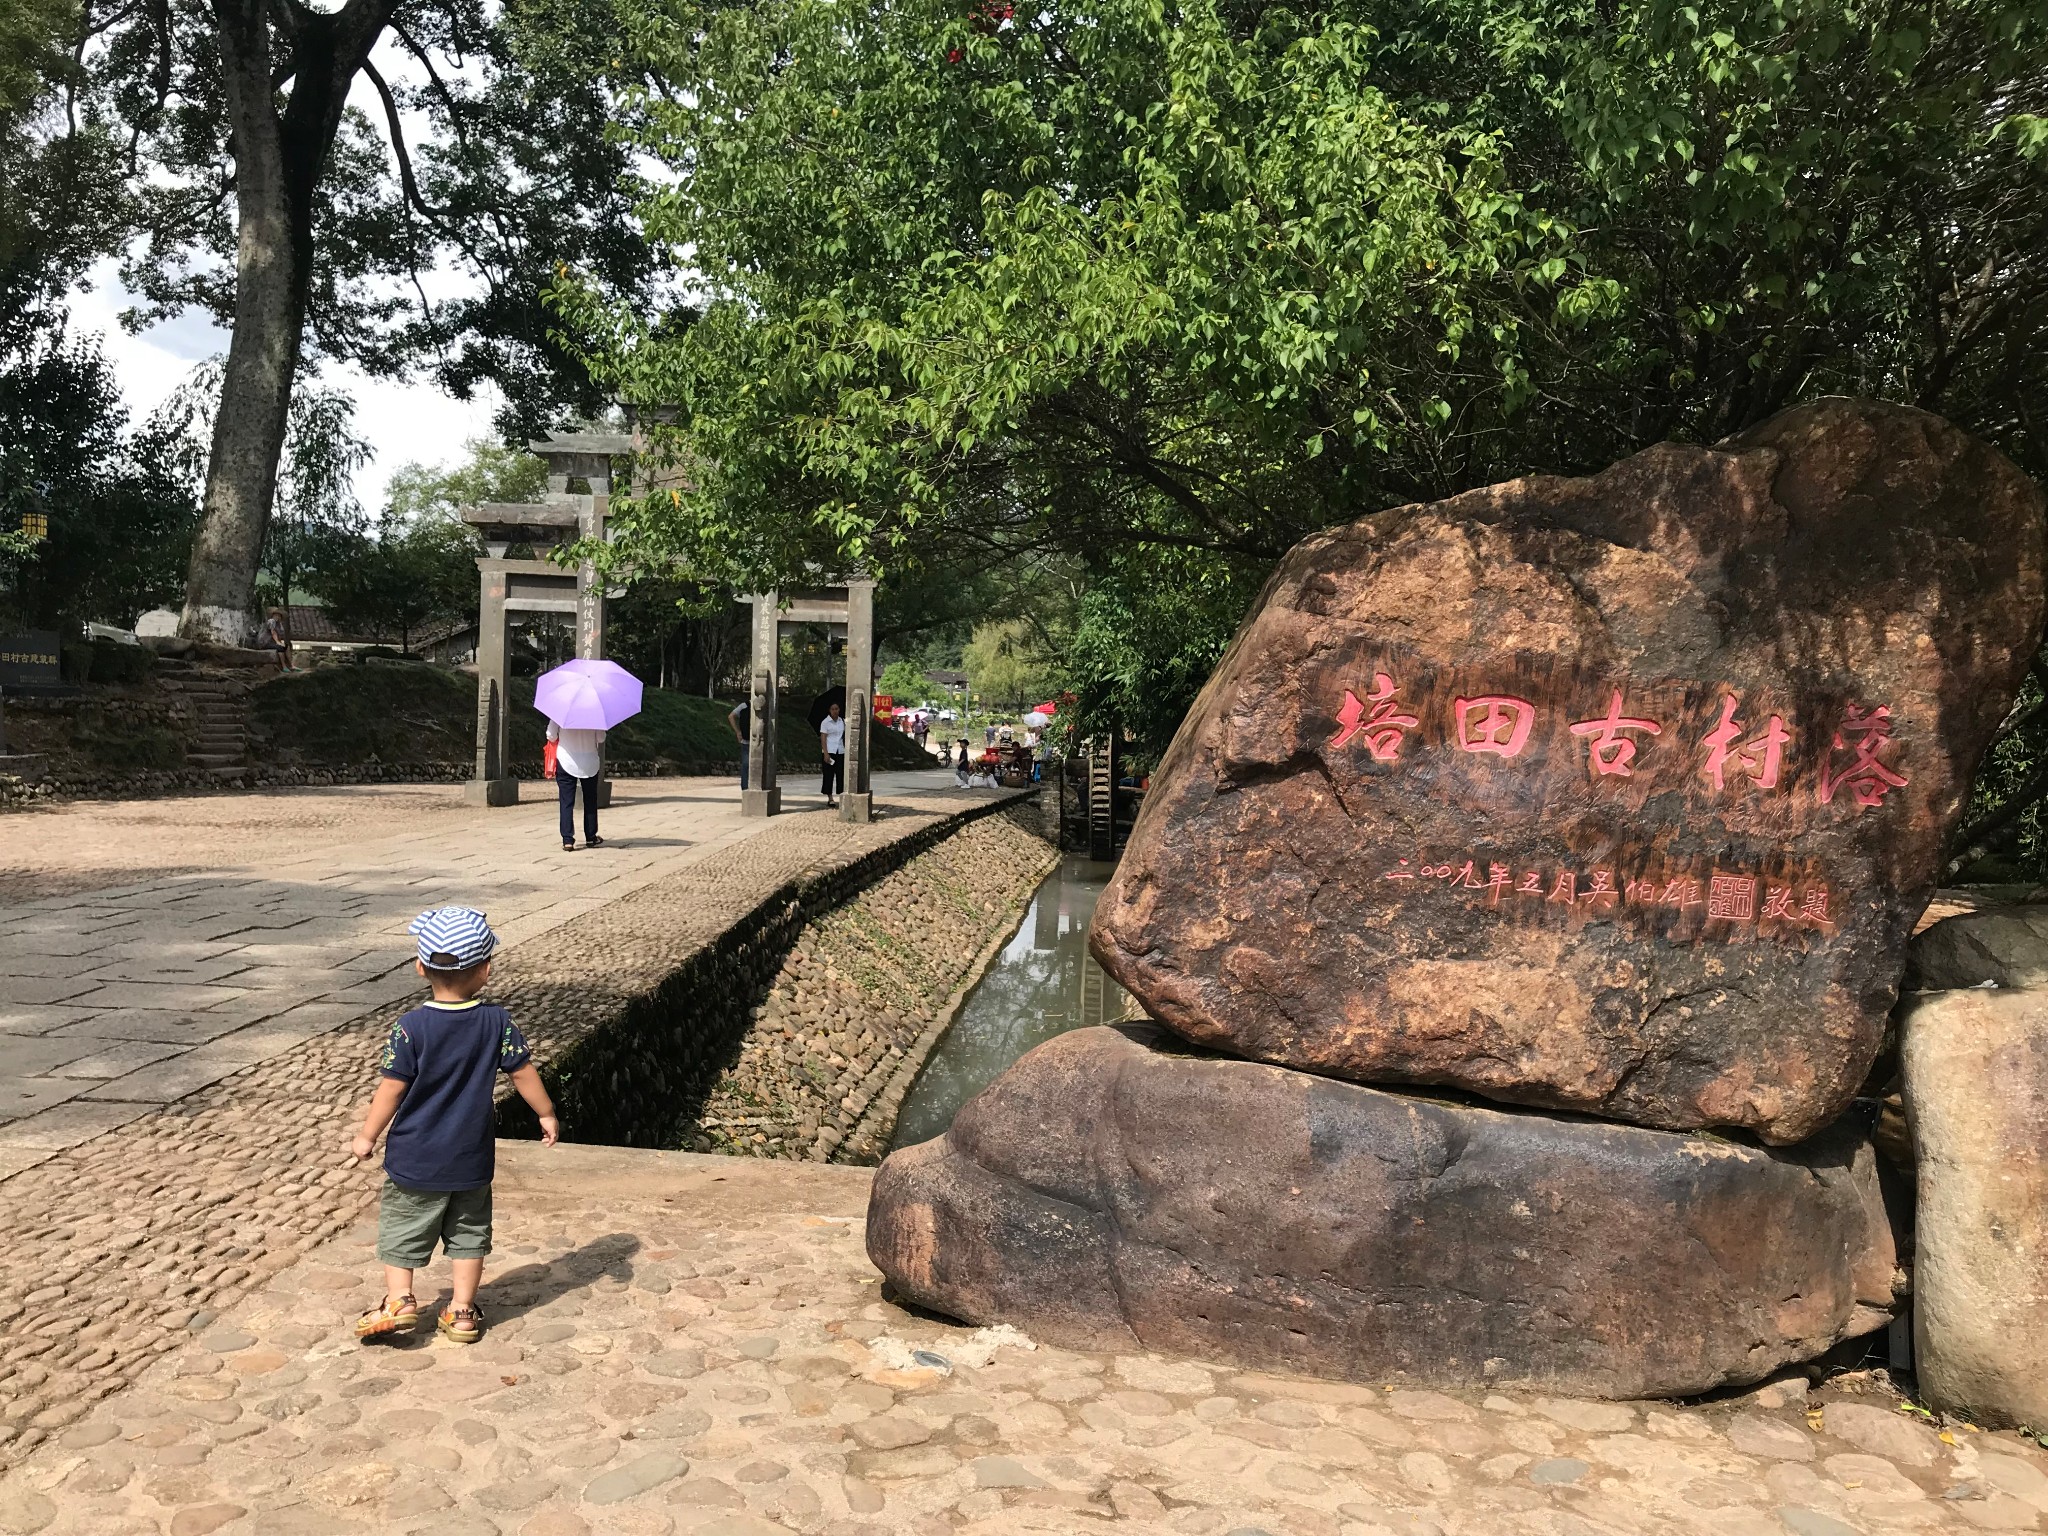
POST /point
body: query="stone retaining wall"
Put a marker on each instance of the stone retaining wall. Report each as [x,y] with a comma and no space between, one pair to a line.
[865,994]
[184,781]
[649,1073]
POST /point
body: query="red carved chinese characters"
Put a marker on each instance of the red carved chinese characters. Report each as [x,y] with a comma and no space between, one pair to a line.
[1495,723]
[1732,897]
[1729,897]
[1760,757]
[1376,717]
[1863,735]
[1610,751]
[1503,725]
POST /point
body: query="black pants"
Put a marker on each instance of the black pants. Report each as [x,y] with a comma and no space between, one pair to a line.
[835,773]
[565,787]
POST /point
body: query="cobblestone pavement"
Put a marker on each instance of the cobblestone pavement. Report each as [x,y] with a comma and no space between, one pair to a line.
[116,1000]
[116,1241]
[693,1344]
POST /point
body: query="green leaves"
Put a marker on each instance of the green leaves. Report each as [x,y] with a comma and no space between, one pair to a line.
[1155,291]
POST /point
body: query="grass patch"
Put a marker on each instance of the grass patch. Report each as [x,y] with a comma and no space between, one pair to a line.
[129,748]
[412,712]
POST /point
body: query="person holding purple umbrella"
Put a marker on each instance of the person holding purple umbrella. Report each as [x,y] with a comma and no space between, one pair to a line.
[582,700]
[579,758]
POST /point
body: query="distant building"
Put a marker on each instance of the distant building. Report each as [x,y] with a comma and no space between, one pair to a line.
[956,682]
[316,638]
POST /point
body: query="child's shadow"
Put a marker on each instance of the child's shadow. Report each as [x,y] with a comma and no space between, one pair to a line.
[519,1291]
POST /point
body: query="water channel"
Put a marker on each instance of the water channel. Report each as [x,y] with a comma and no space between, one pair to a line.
[1044,983]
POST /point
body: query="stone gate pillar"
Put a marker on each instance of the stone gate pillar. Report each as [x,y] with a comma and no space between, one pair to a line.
[754,800]
[493,783]
[763,795]
[857,802]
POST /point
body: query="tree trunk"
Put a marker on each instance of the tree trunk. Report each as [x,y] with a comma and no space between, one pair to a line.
[279,158]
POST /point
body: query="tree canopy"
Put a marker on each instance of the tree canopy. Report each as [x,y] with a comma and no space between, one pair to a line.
[223,152]
[1149,291]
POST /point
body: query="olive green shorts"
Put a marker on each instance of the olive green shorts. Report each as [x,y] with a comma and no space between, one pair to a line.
[411,1221]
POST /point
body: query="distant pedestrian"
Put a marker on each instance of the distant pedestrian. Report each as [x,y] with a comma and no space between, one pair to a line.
[832,745]
[274,634]
[440,1073]
[579,759]
[741,714]
[960,765]
[988,735]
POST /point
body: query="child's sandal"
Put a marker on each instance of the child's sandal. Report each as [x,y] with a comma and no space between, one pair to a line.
[394,1314]
[464,1325]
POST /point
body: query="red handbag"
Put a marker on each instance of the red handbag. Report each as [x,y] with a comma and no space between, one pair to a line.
[547,760]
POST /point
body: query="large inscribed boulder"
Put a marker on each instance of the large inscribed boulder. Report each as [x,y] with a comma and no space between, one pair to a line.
[1618,795]
[1108,1194]
[1975,1064]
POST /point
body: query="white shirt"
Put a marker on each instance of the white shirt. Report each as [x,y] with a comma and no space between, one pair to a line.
[834,732]
[578,753]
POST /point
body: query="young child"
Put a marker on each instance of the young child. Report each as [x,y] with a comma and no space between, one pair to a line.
[441,1067]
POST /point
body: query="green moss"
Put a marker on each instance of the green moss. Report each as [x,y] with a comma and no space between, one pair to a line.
[128,748]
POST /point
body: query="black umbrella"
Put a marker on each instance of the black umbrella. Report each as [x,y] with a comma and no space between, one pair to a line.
[823,702]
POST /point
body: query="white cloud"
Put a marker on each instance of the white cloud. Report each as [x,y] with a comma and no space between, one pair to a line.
[403,420]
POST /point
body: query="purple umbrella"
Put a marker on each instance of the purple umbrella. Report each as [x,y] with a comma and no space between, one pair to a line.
[587,695]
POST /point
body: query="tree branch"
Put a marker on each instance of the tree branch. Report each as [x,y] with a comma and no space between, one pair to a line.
[1976,839]
[405,176]
[440,86]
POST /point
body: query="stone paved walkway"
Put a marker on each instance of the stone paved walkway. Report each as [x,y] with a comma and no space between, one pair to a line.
[146,980]
[121,1232]
[697,1345]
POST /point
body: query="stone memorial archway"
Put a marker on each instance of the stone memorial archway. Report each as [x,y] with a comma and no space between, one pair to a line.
[847,607]
[536,585]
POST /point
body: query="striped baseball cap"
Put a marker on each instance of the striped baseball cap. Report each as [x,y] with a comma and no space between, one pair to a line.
[453,938]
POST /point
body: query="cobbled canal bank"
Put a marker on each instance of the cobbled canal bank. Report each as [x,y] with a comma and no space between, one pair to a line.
[866,993]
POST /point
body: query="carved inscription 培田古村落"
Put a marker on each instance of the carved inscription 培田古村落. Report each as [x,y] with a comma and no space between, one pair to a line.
[1738,752]
[1708,741]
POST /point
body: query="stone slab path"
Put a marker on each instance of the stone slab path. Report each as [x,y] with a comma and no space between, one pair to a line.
[690,1344]
[190,938]
[127,1219]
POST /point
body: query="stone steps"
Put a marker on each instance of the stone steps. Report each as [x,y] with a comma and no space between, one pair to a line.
[220,738]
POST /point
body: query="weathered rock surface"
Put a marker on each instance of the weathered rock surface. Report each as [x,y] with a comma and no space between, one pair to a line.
[1107,1193]
[1976,1088]
[1618,795]
[2005,946]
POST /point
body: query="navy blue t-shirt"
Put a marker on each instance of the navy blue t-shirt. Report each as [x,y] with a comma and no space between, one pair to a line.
[451,1055]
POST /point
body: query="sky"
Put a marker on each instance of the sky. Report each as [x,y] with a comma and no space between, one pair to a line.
[402,422]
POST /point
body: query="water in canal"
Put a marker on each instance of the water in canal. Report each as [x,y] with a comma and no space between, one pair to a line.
[1044,983]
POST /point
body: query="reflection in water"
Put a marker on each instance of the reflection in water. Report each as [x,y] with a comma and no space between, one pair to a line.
[1043,984]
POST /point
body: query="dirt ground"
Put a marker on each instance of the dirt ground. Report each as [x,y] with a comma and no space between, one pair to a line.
[85,845]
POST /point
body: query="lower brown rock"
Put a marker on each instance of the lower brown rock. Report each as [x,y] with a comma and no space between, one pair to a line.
[1111,1192]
